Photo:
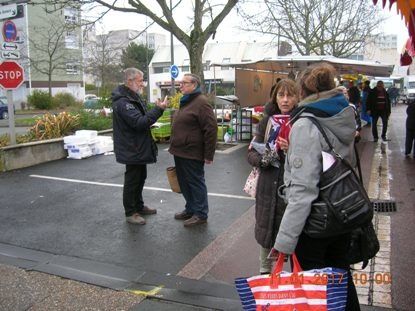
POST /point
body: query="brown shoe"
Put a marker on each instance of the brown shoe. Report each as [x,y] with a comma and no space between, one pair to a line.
[194,221]
[136,219]
[148,211]
[182,216]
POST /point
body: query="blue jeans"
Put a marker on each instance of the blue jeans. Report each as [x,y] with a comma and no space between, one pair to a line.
[191,178]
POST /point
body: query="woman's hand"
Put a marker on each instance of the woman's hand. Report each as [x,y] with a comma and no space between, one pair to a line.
[273,254]
[283,144]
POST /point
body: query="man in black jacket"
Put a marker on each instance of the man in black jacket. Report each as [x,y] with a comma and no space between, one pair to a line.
[379,106]
[133,144]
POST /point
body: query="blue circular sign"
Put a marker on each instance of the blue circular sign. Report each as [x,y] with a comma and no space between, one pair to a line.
[174,71]
[9,31]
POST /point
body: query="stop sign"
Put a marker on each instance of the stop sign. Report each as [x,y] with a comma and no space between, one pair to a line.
[11,75]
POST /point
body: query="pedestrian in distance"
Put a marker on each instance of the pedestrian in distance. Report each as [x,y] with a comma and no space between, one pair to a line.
[303,166]
[133,143]
[365,93]
[379,106]
[269,207]
[354,95]
[393,93]
[410,129]
[193,144]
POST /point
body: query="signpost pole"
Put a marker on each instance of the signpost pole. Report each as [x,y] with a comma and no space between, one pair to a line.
[12,131]
[172,86]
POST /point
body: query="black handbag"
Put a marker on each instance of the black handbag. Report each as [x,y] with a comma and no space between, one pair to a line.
[343,204]
[364,245]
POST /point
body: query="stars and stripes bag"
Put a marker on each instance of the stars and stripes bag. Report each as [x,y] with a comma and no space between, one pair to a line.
[313,290]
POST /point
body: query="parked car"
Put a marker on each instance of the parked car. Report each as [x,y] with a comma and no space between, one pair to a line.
[4,110]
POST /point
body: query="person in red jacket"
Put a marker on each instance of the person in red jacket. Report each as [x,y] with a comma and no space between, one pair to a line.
[193,143]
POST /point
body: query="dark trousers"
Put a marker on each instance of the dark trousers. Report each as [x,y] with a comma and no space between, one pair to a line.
[328,252]
[409,141]
[375,118]
[191,178]
[134,179]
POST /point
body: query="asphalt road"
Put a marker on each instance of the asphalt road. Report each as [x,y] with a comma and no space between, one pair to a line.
[66,216]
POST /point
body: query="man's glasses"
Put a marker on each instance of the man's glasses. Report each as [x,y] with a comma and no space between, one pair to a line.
[186,82]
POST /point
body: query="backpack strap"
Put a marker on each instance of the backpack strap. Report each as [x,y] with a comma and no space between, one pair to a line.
[320,128]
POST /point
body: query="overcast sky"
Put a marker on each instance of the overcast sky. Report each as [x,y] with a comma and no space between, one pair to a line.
[228,31]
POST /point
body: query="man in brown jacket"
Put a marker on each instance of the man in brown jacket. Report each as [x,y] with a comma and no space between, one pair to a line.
[193,143]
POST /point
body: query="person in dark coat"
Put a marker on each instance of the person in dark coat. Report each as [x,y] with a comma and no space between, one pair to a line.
[193,143]
[269,207]
[410,129]
[379,106]
[133,143]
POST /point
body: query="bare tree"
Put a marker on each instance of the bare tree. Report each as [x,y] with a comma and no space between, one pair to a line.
[48,49]
[205,18]
[100,59]
[334,27]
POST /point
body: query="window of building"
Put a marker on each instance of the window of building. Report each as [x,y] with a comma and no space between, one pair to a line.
[72,68]
[158,69]
[226,60]
[166,69]
[71,41]
[70,15]
[206,65]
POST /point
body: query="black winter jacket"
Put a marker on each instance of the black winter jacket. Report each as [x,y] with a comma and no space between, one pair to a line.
[133,143]
[269,207]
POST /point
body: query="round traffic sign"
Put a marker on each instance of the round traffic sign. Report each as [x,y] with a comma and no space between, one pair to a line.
[11,75]
[174,71]
[9,31]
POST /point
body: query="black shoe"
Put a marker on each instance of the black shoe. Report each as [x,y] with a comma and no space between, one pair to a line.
[375,140]
[147,211]
[194,221]
[385,139]
[182,216]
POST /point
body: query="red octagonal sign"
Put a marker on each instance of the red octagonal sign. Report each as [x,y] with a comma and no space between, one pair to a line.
[11,75]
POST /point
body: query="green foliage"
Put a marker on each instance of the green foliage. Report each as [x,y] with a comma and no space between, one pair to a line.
[89,87]
[40,100]
[174,101]
[90,120]
[63,100]
[221,90]
[137,56]
[54,126]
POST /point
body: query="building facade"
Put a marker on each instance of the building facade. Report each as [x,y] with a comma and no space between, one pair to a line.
[48,45]
[214,53]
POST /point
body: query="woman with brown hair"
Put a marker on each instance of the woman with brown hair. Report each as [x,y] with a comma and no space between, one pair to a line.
[304,164]
[269,208]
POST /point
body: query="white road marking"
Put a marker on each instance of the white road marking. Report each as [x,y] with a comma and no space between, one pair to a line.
[79,181]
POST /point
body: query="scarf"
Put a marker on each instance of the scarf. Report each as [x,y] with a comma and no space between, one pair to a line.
[187,98]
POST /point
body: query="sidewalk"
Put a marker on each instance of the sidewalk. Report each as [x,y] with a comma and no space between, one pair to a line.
[47,281]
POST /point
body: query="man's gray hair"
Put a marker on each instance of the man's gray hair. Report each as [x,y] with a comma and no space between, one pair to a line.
[194,78]
[132,73]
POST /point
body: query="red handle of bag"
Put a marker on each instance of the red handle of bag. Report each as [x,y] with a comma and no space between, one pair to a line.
[279,265]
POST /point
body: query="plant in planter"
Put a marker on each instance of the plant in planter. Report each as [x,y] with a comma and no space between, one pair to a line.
[54,126]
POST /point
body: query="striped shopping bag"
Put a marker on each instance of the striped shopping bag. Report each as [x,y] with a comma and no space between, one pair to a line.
[313,290]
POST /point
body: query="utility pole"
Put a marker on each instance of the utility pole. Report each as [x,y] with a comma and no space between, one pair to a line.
[172,86]
[148,65]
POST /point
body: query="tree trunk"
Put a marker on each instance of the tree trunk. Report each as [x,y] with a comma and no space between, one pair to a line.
[196,61]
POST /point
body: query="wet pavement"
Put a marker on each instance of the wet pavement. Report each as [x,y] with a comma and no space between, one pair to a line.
[65,245]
